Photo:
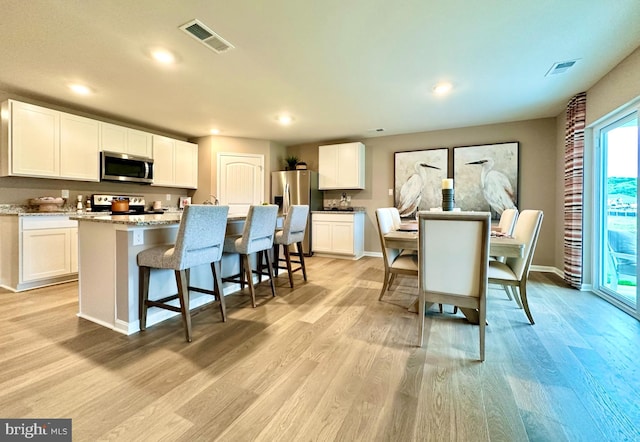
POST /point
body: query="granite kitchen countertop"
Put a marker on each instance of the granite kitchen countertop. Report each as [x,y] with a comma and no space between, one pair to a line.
[21,210]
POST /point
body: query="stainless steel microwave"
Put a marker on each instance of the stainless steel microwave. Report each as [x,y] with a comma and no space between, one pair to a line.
[122,167]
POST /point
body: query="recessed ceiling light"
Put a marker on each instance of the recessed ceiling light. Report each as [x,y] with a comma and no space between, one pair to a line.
[80,89]
[215,131]
[285,119]
[163,56]
[442,88]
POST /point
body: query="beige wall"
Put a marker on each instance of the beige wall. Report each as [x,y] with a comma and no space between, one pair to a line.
[209,147]
[617,88]
[537,140]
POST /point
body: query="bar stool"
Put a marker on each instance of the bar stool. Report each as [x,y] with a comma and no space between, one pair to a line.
[200,241]
[292,232]
[257,237]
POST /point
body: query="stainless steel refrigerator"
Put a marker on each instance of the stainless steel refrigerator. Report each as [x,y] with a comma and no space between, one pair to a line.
[295,187]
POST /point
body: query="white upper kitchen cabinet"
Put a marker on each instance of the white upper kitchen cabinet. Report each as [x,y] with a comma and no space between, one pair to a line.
[186,165]
[163,150]
[139,143]
[79,158]
[30,140]
[45,143]
[341,166]
[175,163]
[114,138]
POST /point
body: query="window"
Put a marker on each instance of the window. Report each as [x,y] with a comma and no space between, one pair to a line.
[616,141]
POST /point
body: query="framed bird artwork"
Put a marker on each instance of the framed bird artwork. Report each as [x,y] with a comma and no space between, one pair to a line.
[418,176]
[486,177]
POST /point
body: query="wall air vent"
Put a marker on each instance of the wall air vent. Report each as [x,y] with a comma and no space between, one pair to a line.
[206,36]
[561,67]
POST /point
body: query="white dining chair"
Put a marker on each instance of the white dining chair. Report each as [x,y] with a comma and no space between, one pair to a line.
[395,262]
[453,253]
[506,225]
[514,272]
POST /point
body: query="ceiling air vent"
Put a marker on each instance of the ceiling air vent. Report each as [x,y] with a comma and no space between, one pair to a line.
[561,67]
[206,36]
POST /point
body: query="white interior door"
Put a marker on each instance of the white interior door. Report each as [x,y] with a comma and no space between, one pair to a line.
[240,180]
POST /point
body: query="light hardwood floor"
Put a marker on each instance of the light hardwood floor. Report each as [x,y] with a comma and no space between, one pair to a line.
[328,361]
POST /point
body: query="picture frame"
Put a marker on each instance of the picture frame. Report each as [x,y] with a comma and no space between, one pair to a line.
[418,176]
[486,177]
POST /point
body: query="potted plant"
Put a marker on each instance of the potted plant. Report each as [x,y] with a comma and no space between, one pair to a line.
[291,161]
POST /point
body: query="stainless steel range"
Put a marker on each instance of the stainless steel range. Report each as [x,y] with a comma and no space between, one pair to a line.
[102,203]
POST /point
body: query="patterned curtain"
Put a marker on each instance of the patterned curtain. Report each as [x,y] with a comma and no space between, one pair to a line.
[573,186]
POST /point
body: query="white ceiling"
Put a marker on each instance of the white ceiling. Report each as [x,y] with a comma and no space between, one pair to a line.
[342,68]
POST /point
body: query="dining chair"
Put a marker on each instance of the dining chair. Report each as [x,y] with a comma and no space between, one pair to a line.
[396,262]
[293,230]
[506,225]
[199,241]
[453,256]
[395,216]
[508,220]
[514,272]
[257,237]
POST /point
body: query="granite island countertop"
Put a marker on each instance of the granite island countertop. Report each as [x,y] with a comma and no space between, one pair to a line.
[145,219]
[336,210]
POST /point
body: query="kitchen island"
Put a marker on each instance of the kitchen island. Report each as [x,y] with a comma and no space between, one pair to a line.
[108,271]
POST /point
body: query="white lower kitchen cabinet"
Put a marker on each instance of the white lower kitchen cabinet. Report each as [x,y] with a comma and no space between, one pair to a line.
[338,234]
[38,251]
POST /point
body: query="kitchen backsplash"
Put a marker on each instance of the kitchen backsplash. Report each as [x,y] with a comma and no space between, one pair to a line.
[17,191]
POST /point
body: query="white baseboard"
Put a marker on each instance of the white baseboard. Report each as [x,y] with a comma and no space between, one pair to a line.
[547,269]
[373,254]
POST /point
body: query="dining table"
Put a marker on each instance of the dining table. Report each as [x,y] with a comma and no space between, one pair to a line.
[406,237]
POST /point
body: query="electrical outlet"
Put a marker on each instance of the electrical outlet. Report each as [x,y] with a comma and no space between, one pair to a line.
[168,197]
[138,237]
[65,193]
[390,192]
[348,198]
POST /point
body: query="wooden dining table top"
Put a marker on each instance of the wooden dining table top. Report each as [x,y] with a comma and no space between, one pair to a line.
[498,245]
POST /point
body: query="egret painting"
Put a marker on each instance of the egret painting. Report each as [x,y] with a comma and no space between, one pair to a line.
[486,177]
[418,178]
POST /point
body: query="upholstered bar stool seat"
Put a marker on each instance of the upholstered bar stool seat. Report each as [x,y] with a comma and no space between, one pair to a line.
[199,241]
[257,237]
[293,230]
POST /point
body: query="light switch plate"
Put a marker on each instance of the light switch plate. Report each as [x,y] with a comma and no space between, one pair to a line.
[65,193]
[390,192]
